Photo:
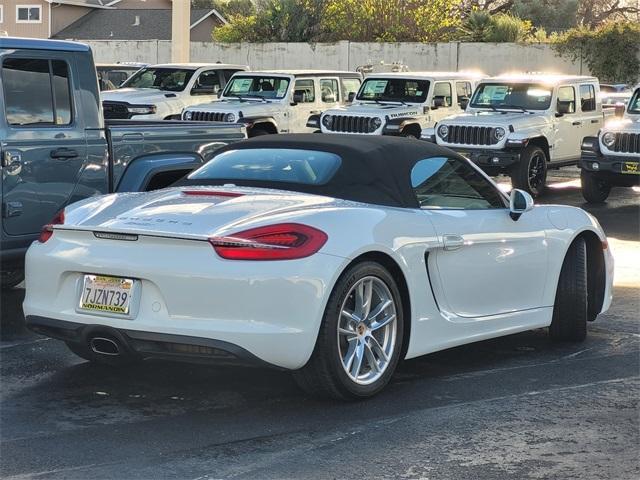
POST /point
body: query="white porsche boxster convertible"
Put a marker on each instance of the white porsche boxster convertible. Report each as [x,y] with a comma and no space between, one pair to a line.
[331,256]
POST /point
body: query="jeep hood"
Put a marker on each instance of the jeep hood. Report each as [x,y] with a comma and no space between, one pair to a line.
[376,109]
[629,123]
[138,96]
[502,118]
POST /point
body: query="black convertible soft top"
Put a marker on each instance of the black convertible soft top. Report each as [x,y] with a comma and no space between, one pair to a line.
[374,169]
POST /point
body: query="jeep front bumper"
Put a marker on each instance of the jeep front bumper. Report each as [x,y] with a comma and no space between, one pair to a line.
[490,158]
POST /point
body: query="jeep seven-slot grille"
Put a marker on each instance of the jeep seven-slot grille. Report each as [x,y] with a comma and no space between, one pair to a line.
[464,135]
[351,124]
[115,111]
[207,116]
[627,143]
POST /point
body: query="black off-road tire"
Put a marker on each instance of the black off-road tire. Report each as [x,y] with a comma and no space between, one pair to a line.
[520,173]
[11,278]
[570,310]
[594,189]
[258,132]
[409,133]
[323,375]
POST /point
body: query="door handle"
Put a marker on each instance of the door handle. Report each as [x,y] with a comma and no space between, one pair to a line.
[63,153]
[597,120]
[575,124]
[315,112]
[452,242]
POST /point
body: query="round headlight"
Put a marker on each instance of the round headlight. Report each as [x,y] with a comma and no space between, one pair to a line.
[188,115]
[375,123]
[609,139]
[230,117]
[327,121]
[499,133]
[443,131]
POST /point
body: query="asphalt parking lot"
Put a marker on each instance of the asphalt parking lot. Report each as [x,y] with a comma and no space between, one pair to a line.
[516,407]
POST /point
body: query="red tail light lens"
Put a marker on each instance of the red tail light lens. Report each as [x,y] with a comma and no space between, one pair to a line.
[284,241]
[47,230]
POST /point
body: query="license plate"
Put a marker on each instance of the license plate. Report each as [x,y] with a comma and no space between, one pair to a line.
[630,168]
[106,294]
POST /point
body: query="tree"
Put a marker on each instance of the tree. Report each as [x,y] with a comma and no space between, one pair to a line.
[481,26]
[390,20]
[550,15]
[610,50]
[593,13]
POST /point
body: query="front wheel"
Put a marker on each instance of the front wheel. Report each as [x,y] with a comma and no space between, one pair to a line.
[594,190]
[530,174]
[360,338]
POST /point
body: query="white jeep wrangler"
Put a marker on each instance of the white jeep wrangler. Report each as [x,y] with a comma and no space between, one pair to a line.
[161,92]
[612,159]
[522,125]
[278,101]
[399,104]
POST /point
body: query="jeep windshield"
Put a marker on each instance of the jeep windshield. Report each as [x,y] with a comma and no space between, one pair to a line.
[634,103]
[169,79]
[512,96]
[394,90]
[250,86]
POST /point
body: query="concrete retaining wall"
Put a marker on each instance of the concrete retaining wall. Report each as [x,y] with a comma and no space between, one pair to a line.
[491,58]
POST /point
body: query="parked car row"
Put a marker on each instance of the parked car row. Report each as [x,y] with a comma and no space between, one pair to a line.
[518,125]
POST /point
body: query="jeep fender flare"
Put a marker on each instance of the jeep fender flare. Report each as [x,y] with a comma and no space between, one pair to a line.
[141,170]
[395,126]
[520,144]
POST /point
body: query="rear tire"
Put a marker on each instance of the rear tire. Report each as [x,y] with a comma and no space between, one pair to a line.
[257,132]
[344,336]
[408,133]
[570,310]
[530,174]
[594,190]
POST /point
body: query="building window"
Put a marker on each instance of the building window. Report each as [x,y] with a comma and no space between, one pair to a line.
[28,14]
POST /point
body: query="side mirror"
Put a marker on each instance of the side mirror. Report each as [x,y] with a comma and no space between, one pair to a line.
[619,110]
[437,103]
[519,203]
[463,102]
[297,98]
[563,108]
[351,97]
[219,93]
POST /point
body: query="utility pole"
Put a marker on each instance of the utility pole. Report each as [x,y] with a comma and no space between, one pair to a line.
[180,30]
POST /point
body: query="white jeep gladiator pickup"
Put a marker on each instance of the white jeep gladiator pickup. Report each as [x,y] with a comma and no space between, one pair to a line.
[399,104]
[161,92]
[612,159]
[523,125]
[277,101]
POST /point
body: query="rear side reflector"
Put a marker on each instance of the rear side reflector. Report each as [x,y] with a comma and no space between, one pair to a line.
[283,241]
[211,193]
[47,230]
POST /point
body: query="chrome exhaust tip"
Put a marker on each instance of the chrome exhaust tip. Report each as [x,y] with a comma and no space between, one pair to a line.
[104,346]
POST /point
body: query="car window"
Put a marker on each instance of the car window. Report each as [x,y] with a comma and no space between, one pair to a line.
[36,91]
[451,183]
[394,90]
[165,78]
[257,87]
[528,96]
[207,83]
[442,90]
[566,100]
[329,92]
[588,98]
[350,85]
[308,167]
[307,89]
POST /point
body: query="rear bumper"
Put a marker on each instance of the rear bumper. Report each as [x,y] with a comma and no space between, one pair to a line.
[147,344]
[271,309]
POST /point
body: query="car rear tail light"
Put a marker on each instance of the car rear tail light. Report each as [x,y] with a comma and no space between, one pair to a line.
[211,193]
[283,241]
[47,230]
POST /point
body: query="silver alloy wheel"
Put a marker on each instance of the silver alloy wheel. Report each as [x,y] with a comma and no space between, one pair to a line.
[367,330]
